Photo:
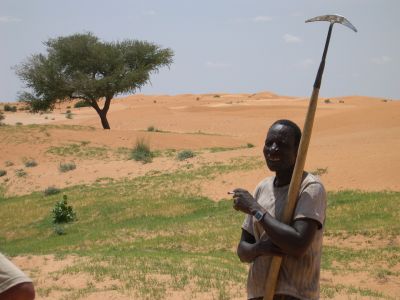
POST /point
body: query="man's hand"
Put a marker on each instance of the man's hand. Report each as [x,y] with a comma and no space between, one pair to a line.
[244,201]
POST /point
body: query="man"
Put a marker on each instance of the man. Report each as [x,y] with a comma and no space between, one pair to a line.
[14,284]
[263,235]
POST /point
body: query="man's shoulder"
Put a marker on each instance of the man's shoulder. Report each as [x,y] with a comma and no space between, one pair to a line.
[312,183]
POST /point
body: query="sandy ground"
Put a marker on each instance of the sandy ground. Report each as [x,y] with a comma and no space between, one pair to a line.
[355,142]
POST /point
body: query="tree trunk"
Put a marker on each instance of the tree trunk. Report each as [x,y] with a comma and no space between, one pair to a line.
[103,118]
[102,112]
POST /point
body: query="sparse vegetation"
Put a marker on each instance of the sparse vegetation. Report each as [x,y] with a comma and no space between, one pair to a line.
[20,173]
[30,163]
[185,154]
[66,167]
[68,115]
[152,128]
[9,163]
[141,152]
[320,171]
[62,212]
[18,123]
[3,173]
[51,190]
[217,96]
[82,150]
[250,145]
[327,101]
[10,108]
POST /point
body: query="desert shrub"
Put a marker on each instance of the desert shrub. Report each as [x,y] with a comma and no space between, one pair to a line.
[151,128]
[9,163]
[51,190]
[327,101]
[185,154]
[8,107]
[68,111]
[141,152]
[30,163]
[20,173]
[320,171]
[250,145]
[2,173]
[217,96]
[69,106]
[68,115]
[65,167]
[18,123]
[81,103]
[62,212]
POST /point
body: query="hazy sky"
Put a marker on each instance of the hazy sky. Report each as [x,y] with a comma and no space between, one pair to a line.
[230,46]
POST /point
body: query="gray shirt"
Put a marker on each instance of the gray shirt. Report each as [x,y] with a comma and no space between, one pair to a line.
[298,277]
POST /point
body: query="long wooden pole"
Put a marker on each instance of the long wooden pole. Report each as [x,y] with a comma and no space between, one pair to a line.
[273,273]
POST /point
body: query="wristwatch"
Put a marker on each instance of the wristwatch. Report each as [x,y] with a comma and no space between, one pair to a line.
[259,215]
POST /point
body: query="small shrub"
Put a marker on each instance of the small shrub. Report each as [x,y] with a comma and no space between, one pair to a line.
[68,111]
[65,167]
[320,171]
[68,106]
[197,98]
[81,103]
[59,230]
[141,152]
[62,212]
[68,115]
[250,145]
[185,154]
[30,163]
[18,123]
[217,96]
[9,163]
[151,128]
[8,107]
[327,101]
[384,100]
[3,172]
[20,173]
[51,190]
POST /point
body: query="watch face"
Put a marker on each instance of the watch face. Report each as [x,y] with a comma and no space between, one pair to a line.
[259,215]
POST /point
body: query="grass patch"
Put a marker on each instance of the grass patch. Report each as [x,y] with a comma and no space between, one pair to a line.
[3,173]
[66,167]
[141,152]
[185,154]
[51,190]
[30,163]
[148,229]
[81,150]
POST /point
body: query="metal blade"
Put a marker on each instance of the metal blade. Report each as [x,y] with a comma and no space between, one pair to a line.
[334,19]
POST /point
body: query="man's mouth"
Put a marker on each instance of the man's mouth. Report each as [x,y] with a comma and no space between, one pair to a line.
[273,158]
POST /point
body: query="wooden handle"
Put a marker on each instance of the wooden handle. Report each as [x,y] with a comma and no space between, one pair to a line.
[273,272]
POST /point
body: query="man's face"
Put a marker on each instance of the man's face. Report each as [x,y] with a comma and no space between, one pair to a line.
[280,149]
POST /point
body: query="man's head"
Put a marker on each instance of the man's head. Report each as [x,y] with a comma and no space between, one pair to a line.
[281,145]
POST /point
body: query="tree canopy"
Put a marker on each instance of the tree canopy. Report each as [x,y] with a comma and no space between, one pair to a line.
[80,66]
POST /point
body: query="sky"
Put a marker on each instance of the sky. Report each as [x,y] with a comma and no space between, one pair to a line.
[223,46]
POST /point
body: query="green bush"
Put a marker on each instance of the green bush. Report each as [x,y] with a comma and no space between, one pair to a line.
[185,154]
[8,107]
[30,163]
[81,103]
[65,167]
[3,172]
[250,145]
[62,212]
[151,128]
[51,190]
[141,152]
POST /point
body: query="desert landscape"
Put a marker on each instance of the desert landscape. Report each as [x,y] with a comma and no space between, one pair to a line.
[166,229]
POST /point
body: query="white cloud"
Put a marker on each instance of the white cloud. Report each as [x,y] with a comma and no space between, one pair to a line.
[288,38]
[9,19]
[149,13]
[306,63]
[262,19]
[381,60]
[216,64]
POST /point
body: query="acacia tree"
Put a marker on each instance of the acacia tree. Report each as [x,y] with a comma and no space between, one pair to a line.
[80,66]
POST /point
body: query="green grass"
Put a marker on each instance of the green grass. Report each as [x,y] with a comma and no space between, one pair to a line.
[158,226]
[81,150]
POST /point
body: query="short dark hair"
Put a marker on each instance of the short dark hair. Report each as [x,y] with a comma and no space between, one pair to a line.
[296,130]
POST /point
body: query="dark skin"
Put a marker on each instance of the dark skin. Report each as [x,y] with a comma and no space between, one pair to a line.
[280,151]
